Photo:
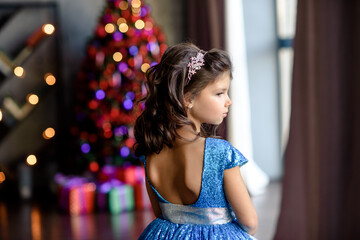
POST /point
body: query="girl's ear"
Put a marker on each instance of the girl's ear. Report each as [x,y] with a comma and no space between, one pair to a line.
[188,99]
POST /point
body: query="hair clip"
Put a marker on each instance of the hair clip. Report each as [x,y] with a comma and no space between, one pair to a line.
[195,64]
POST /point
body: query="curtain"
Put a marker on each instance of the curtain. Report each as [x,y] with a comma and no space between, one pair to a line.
[205,23]
[321,183]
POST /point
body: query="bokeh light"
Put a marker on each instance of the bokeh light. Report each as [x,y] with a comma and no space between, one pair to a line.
[145,67]
[31,160]
[94,166]
[123,5]
[139,24]
[128,104]
[136,3]
[100,94]
[19,72]
[49,133]
[123,67]
[148,26]
[143,12]
[123,27]
[109,28]
[85,148]
[1,115]
[106,126]
[33,99]
[130,95]
[50,79]
[133,50]
[120,21]
[120,131]
[118,36]
[48,28]
[136,11]
[2,177]
[124,151]
[117,56]
[108,133]
[93,104]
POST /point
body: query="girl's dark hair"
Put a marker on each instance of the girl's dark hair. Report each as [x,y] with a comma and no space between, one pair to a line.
[165,111]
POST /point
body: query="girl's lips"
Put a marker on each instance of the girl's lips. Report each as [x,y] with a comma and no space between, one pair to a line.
[224,114]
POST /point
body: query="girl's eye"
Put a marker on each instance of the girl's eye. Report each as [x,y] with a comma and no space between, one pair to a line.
[218,94]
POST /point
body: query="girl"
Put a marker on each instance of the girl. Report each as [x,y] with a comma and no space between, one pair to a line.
[193,179]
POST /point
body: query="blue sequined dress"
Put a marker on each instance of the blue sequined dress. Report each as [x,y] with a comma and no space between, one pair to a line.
[210,217]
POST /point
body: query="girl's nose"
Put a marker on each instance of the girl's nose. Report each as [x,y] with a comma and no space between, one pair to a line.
[228,102]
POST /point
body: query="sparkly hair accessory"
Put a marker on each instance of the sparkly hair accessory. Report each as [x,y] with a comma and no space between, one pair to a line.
[195,64]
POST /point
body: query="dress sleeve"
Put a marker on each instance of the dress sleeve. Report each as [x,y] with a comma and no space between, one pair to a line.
[234,158]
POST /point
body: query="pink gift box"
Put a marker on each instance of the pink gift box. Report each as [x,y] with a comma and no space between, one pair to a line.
[142,200]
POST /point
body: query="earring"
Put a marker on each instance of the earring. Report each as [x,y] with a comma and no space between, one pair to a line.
[190,106]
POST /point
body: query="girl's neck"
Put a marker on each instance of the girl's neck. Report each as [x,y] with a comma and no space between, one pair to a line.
[187,133]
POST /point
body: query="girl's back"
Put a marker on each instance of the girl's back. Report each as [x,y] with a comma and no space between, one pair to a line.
[176,173]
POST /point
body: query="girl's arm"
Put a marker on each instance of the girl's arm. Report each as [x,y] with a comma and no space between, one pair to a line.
[239,199]
[154,202]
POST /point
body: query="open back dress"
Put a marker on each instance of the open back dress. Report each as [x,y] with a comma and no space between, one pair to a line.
[210,217]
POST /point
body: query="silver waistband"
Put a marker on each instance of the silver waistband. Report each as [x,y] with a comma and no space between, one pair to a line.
[192,215]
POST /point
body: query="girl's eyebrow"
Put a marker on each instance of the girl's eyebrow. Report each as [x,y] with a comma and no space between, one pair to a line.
[223,89]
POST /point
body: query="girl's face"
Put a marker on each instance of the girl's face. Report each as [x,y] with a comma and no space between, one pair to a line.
[212,104]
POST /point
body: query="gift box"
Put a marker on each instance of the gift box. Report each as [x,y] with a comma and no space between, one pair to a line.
[76,195]
[142,200]
[121,198]
[131,174]
[82,199]
[103,190]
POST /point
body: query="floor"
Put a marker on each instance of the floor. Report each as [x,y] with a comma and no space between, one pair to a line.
[44,221]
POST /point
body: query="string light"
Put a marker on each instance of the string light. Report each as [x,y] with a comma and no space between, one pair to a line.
[118,36]
[123,5]
[136,11]
[100,94]
[109,28]
[50,79]
[139,24]
[48,28]
[133,50]
[148,26]
[128,104]
[136,3]
[117,56]
[123,27]
[94,166]
[49,133]
[85,148]
[123,67]
[32,99]
[120,21]
[19,71]
[145,67]
[124,151]
[2,177]
[31,160]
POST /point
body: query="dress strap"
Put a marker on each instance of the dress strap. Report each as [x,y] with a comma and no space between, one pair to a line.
[182,214]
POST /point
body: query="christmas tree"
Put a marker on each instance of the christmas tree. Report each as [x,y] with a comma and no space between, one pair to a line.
[111,82]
